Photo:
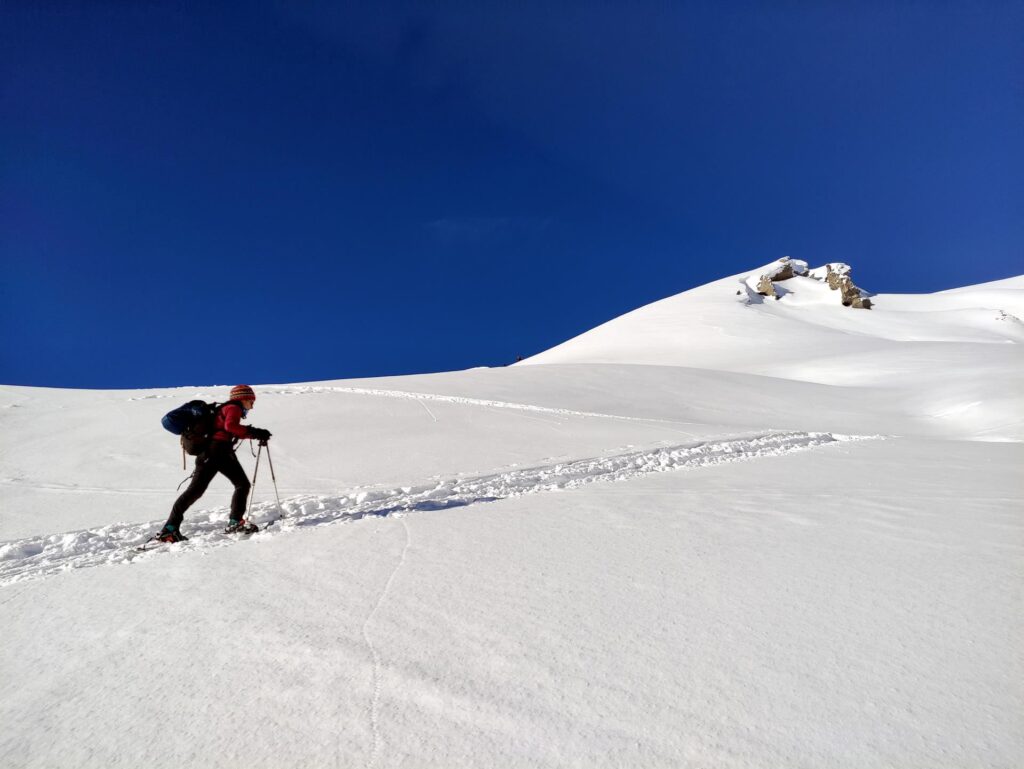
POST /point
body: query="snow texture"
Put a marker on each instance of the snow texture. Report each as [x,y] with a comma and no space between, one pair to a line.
[719,531]
[119,543]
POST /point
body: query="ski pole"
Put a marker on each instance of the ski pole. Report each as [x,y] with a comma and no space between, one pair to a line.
[252,491]
[270,461]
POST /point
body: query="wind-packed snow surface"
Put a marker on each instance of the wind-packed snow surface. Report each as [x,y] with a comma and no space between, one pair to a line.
[724,530]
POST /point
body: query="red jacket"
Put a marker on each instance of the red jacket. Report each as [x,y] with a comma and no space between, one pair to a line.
[229,423]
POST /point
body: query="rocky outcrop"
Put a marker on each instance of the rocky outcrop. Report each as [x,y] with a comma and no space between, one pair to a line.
[784,269]
[835,274]
[765,287]
[838,278]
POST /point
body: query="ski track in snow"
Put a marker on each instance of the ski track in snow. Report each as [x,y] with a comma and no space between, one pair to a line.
[427,409]
[455,399]
[374,712]
[44,555]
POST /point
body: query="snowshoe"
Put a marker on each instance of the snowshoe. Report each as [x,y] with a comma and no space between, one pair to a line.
[164,535]
[241,527]
[169,535]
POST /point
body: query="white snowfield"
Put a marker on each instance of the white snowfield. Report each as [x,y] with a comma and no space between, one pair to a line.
[719,531]
[49,554]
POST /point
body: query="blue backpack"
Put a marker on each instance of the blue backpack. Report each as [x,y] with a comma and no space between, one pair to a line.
[195,422]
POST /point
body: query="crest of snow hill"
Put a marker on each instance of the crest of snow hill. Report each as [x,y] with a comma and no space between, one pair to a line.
[835,274]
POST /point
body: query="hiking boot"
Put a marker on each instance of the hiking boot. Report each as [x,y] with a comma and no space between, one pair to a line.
[241,527]
[170,535]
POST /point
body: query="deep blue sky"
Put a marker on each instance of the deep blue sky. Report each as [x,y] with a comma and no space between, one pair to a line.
[201,193]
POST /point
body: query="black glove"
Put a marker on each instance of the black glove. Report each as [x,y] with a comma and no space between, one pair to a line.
[259,434]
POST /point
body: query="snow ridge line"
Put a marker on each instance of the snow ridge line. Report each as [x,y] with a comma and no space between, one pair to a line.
[421,397]
[44,555]
[456,399]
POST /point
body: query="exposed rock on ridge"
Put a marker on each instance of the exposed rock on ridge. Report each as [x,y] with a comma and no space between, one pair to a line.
[835,274]
[849,294]
[784,269]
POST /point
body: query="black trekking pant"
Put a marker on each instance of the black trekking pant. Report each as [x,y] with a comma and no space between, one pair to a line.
[219,458]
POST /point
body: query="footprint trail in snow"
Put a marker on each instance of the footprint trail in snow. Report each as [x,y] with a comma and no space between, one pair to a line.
[44,555]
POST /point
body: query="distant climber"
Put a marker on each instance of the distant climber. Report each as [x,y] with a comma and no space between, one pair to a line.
[216,454]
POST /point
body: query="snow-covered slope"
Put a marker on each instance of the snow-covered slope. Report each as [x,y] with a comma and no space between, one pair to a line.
[727,325]
[955,356]
[722,530]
